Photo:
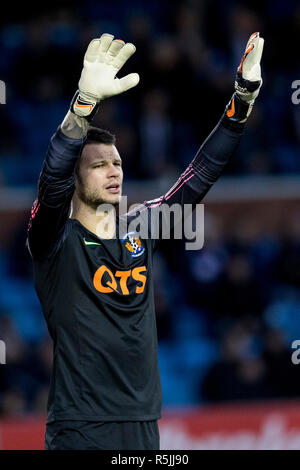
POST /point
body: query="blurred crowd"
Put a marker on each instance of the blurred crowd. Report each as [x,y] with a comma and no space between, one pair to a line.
[226,314]
[187,55]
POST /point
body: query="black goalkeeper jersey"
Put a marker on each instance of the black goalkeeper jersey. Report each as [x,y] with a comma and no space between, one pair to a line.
[97,294]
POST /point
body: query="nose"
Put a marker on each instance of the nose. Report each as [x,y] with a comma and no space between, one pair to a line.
[113,171]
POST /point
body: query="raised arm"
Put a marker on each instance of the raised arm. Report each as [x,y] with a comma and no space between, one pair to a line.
[48,226]
[214,153]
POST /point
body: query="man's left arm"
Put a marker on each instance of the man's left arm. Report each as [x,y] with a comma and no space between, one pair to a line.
[215,152]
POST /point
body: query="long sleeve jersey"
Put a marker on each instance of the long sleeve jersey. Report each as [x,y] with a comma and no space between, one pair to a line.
[97,294]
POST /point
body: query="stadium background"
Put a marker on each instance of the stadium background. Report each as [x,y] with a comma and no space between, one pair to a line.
[227,314]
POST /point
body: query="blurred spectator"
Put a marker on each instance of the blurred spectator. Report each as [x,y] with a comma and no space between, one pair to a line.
[283,374]
[240,373]
[13,404]
[156,133]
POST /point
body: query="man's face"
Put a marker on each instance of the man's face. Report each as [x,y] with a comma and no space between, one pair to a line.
[100,175]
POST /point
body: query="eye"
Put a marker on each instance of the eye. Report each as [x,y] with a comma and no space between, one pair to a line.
[118,163]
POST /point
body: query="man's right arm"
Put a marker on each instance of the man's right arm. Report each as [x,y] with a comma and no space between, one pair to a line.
[50,210]
[102,61]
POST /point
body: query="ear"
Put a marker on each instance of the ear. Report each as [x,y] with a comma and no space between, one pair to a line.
[77,169]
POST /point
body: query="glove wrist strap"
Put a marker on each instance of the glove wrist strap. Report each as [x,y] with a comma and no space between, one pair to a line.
[237,110]
[247,90]
[84,106]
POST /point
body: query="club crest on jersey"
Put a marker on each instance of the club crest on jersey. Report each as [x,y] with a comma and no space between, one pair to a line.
[133,244]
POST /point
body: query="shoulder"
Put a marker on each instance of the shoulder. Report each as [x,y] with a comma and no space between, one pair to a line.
[40,254]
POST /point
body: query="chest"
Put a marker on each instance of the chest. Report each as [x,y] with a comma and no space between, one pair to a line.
[117,267]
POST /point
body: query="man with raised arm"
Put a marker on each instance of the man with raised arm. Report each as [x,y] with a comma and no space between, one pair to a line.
[95,288]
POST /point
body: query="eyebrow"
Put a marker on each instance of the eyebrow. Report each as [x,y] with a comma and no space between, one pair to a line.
[100,160]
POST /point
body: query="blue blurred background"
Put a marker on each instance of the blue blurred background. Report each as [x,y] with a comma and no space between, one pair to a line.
[227,314]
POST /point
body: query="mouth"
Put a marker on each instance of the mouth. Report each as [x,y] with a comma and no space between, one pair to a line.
[113,188]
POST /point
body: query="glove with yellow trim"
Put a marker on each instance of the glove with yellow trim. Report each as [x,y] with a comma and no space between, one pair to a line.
[247,81]
[102,61]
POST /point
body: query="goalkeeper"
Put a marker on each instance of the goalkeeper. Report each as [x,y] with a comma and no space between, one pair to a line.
[96,290]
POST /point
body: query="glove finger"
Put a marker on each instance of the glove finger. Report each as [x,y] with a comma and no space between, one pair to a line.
[248,49]
[259,49]
[92,50]
[105,42]
[129,81]
[253,57]
[252,37]
[251,66]
[123,55]
[114,49]
[252,54]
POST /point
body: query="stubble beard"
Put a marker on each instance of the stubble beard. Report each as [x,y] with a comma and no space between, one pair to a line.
[91,198]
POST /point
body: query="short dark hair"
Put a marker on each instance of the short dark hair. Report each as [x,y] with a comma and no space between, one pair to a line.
[95,135]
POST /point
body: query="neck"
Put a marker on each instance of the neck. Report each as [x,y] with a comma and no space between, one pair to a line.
[100,222]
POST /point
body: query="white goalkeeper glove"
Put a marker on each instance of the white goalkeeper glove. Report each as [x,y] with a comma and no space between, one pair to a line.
[247,81]
[248,77]
[102,61]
